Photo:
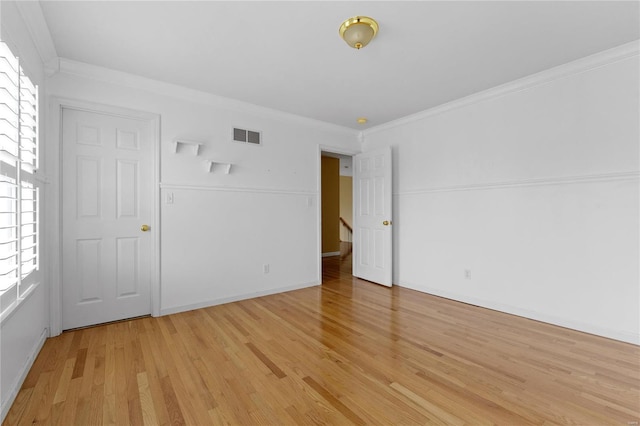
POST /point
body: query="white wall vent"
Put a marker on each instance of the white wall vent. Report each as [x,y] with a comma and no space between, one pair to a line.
[249,136]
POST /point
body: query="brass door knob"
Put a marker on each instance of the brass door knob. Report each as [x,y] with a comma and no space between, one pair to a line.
[145,228]
[386,223]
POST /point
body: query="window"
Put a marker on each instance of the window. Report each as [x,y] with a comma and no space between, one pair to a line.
[19,193]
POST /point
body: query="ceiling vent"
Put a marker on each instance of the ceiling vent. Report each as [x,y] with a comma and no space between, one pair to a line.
[248,136]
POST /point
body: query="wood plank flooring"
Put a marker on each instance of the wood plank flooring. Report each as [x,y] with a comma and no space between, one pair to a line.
[346,352]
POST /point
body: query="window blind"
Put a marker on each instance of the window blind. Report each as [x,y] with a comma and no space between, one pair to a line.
[19,193]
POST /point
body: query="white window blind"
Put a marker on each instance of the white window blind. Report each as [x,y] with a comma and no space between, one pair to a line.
[19,194]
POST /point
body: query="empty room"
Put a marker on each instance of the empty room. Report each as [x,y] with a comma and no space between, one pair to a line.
[319,212]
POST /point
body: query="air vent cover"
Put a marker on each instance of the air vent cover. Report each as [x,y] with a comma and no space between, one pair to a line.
[249,136]
[239,135]
[253,137]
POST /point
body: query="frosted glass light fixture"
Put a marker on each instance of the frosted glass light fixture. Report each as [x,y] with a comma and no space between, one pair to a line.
[358,31]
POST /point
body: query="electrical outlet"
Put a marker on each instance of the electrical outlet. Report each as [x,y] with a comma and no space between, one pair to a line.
[265,268]
[169,198]
[467,274]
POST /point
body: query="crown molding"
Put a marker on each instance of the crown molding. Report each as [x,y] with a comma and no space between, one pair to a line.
[52,66]
[106,75]
[33,18]
[606,57]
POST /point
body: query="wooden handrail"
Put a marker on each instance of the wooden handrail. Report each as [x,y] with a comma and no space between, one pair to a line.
[346,225]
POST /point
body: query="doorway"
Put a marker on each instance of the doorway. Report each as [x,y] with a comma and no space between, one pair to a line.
[337,216]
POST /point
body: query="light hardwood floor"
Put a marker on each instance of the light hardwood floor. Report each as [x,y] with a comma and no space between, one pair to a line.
[347,352]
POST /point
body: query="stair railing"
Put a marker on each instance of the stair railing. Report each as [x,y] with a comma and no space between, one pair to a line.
[348,230]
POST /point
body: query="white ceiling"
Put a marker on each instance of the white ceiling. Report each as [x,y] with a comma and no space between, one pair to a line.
[288,55]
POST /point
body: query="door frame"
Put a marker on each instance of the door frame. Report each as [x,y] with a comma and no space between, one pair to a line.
[331,150]
[53,200]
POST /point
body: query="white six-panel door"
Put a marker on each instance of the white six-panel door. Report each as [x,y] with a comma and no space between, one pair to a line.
[107,195]
[372,242]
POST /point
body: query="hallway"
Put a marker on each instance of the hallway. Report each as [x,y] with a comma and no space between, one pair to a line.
[338,268]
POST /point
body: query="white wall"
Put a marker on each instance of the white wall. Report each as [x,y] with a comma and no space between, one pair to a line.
[221,229]
[23,332]
[534,191]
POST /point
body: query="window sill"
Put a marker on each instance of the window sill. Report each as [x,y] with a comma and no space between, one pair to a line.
[11,309]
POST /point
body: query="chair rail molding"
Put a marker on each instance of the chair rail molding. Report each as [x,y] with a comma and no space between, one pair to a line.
[559,180]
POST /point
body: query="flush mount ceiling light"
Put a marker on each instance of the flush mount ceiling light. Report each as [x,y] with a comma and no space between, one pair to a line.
[362,120]
[358,31]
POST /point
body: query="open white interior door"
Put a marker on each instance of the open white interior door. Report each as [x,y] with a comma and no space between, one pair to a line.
[372,202]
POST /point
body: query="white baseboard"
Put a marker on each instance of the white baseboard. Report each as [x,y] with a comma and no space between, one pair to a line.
[17,384]
[223,300]
[537,316]
[331,253]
